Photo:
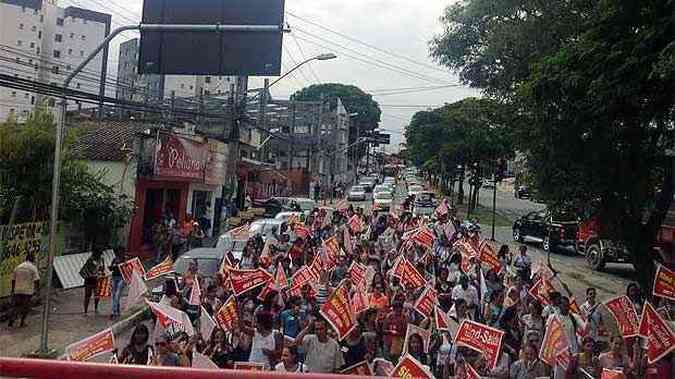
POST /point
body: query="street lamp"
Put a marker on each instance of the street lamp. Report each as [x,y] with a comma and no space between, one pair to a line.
[320,57]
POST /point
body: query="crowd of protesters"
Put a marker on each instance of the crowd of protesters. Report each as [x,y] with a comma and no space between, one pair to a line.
[282,329]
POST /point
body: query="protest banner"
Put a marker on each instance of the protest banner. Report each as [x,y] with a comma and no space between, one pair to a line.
[228,316]
[168,316]
[425,336]
[90,347]
[481,338]
[338,312]
[203,362]
[163,268]
[554,342]
[130,266]
[242,281]
[426,302]
[206,324]
[137,289]
[359,369]
[316,268]
[409,367]
[103,287]
[444,322]
[660,336]
[612,374]
[359,302]
[664,283]
[332,248]
[347,241]
[488,257]
[249,366]
[301,277]
[622,310]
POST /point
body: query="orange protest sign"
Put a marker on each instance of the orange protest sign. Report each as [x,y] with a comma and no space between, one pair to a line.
[280,277]
[660,336]
[540,290]
[227,316]
[425,237]
[243,281]
[624,313]
[357,273]
[90,347]
[129,266]
[359,369]
[103,287]
[612,374]
[481,338]
[408,274]
[488,257]
[426,302]
[409,368]
[163,268]
[554,342]
[359,302]
[664,283]
[338,312]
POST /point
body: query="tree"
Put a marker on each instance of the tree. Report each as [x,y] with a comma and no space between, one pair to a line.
[594,93]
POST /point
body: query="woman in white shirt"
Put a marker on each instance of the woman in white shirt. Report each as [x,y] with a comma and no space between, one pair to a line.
[289,361]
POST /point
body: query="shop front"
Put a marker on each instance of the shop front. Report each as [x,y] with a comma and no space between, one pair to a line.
[204,199]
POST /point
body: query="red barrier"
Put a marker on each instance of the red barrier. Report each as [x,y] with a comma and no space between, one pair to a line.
[50,369]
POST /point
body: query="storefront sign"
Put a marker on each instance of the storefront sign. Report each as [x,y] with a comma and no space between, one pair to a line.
[178,157]
[16,242]
[481,338]
[664,283]
[624,313]
[90,347]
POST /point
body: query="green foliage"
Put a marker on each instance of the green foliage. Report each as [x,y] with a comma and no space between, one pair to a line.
[26,169]
[353,98]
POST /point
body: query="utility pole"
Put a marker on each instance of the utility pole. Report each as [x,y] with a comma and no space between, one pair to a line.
[262,109]
[291,132]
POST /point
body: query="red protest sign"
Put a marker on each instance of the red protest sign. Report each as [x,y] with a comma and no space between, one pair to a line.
[471,372]
[302,231]
[243,281]
[163,268]
[554,342]
[249,366]
[409,367]
[664,283]
[338,312]
[227,315]
[540,290]
[359,369]
[612,374]
[408,274]
[624,313]
[357,273]
[424,237]
[660,336]
[316,268]
[488,257]
[90,347]
[426,303]
[103,287]
[280,277]
[444,322]
[355,223]
[359,302]
[129,266]
[481,338]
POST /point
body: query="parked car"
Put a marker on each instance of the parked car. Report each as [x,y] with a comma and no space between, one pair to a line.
[382,188]
[521,192]
[266,227]
[208,261]
[382,201]
[368,184]
[425,203]
[304,205]
[357,193]
[550,229]
[275,205]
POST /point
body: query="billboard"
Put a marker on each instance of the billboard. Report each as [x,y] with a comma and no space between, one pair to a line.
[210,53]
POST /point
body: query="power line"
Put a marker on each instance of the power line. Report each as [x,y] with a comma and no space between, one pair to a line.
[304,58]
[388,52]
[415,91]
[295,63]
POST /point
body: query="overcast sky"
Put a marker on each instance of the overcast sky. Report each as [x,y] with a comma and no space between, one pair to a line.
[400,27]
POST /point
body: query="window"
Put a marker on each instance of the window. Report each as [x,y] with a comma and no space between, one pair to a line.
[19,43]
[42,18]
[32,45]
[84,37]
[207,79]
[51,102]
[77,85]
[182,86]
[57,54]
[59,21]
[21,26]
[25,95]
[32,100]
[70,51]
[13,93]
[84,20]
[37,51]
[33,28]
[81,53]
[55,69]
[40,34]
[58,37]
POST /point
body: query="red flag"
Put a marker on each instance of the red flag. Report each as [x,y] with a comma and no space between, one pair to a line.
[195,293]
[659,334]
[338,312]
[280,276]
[554,342]
[481,338]
[426,302]
[409,367]
[624,313]
[163,268]
[358,369]
[664,283]
[129,266]
[103,287]
[425,237]
[355,223]
[227,316]
[243,281]
[90,347]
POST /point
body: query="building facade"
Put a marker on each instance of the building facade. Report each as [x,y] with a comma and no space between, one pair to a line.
[41,41]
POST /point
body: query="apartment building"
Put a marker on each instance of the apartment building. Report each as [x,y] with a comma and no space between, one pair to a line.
[43,42]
